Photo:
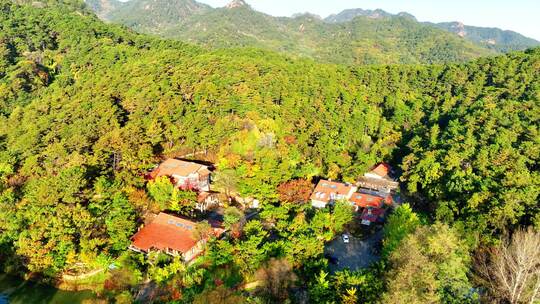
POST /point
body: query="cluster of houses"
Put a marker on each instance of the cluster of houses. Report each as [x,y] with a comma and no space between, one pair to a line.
[371,195]
[174,235]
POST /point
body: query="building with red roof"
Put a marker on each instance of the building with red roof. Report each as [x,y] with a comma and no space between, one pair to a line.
[365,200]
[379,179]
[187,175]
[171,235]
[328,191]
[381,170]
[372,215]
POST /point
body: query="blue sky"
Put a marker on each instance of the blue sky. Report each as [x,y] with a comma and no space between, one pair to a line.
[522,16]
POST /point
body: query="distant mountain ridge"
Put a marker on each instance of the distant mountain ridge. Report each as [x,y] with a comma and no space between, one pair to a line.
[489,37]
[361,41]
[349,14]
[154,16]
[353,36]
[103,8]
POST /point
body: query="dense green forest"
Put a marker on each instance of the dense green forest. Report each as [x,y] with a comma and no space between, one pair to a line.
[86,108]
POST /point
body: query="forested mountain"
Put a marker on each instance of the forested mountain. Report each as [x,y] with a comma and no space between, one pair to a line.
[364,40]
[349,14]
[353,36]
[491,38]
[86,108]
[156,16]
[103,8]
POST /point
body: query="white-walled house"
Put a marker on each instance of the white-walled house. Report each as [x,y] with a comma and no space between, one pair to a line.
[380,171]
[379,179]
[187,175]
[328,192]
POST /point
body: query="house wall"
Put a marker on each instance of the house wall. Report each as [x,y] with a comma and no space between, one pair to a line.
[377,188]
[180,180]
[194,179]
[372,175]
[172,252]
[210,201]
[351,192]
[133,248]
[318,204]
[204,183]
[194,251]
[186,256]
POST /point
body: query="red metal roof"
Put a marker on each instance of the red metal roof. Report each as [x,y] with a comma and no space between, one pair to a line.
[382,169]
[178,167]
[364,200]
[167,231]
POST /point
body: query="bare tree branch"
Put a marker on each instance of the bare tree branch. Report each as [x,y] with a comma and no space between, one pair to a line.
[511,271]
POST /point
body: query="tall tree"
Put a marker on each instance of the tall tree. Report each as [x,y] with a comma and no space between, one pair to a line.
[227,181]
[277,277]
[402,222]
[429,266]
[295,191]
[511,270]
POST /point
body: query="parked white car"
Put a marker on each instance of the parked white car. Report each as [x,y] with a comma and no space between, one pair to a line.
[345,238]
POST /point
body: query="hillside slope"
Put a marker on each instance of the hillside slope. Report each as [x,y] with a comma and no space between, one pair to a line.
[364,40]
[103,8]
[155,16]
[491,38]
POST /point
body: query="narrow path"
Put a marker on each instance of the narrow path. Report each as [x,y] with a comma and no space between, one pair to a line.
[67,277]
[193,154]
[251,285]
